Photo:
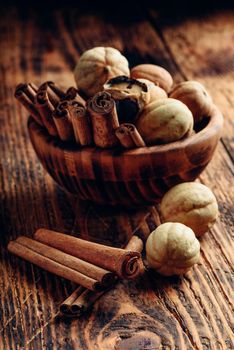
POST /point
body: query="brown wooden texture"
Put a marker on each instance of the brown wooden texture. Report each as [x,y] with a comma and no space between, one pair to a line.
[135,177]
[193,312]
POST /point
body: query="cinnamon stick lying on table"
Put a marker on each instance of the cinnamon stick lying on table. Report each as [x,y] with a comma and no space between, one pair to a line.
[38,253]
[51,266]
[104,119]
[45,108]
[81,299]
[65,307]
[135,244]
[81,125]
[125,263]
[84,301]
[62,264]
[129,136]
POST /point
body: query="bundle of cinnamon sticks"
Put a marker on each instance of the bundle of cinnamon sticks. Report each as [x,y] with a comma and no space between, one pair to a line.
[82,299]
[66,115]
[94,267]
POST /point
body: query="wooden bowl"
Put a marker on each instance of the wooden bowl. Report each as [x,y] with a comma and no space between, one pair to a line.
[135,177]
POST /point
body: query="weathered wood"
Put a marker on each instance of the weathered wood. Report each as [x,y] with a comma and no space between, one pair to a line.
[203,49]
[169,313]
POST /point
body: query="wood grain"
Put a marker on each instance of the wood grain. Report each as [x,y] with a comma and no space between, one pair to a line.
[137,177]
[194,312]
[203,49]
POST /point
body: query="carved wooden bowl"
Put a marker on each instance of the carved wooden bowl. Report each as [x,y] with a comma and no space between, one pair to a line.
[135,177]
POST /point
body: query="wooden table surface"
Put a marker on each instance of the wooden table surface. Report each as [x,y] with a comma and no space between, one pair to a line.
[191,312]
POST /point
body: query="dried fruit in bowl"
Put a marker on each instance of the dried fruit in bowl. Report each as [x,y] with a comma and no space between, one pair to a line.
[195,96]
[96,66]
[164,121]
[130,95]
[157,74]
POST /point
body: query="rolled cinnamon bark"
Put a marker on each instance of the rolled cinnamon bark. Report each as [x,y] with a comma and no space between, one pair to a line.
[59,92]
[124,137]
[81,299]
[63,105]
[46,109]
[134,133]
[84,301]
[129,136]
[88,272]
[72,94]
[65,307]
[136,244]
[54,92]
[104,119]
[106,278]
[34,87]
[63,124]
[29,105]
[81,125]
[29,89]
[31,252]
[125,263]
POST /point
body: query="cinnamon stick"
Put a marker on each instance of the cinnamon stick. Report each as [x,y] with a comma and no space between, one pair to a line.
[65,307]
[63,124]
[87,298]
[124,137]
[48,265]
[54,92]
[126,264]
[59,92]
[22,97]
[84,301]
[136,244]
[34,87]
[129,136]
[104,119]
[80,300]
[97,273]
[59,263]
[29,89]
[72,94]
[135,135]
[45,109]
[63,105]
[81,125]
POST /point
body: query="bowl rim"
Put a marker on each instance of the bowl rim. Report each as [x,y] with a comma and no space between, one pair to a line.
[110,165]
[214,127]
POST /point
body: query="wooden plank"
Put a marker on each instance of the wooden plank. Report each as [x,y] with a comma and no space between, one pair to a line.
[203,50]
[190,313]
[28,196]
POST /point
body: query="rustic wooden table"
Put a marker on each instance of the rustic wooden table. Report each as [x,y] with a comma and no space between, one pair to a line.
[193,312]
